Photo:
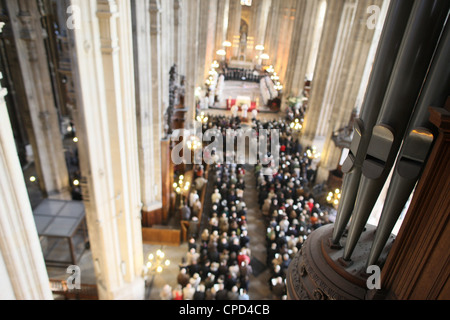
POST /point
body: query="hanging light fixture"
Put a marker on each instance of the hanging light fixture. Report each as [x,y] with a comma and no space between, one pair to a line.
[334,197]
[156,262]
[312,153]
[215,64]
[265,56]
[297,124]
[202,118]
[259,47]
[181,186]
[194,143]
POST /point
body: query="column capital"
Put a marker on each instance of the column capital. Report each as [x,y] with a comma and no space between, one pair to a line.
[107,8]
[155,17]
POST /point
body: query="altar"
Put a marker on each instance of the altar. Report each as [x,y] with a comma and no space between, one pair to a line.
[240,64]
[240,101]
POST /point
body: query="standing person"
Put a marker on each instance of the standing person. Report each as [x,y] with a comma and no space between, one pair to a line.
[193,228]
[234,111]
[244,111]
[193,196]
[254,114]
[185,212]
[166,293]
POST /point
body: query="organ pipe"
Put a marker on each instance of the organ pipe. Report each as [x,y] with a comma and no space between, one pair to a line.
[390,41]
[415,148]
[421,37]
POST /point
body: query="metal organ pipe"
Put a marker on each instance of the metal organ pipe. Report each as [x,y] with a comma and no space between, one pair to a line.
[390,41]
[416,146]
[417,49]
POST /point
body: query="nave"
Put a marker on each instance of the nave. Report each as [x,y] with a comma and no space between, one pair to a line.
[272,204]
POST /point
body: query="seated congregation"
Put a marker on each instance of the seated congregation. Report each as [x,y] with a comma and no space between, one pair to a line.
[217,264]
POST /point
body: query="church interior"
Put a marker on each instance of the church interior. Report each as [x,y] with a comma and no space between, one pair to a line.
[224,150]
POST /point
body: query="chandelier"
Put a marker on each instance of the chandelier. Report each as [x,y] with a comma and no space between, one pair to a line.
[202,118]
[296,124]
[181,185]
[194,143]
[156,263]
[215,64]
[312,153]
[334,197]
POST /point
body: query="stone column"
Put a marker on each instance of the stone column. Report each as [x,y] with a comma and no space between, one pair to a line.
[23,275]
[334,41]
[223,7]
[356,62]
[183,36]
[156,62]
[260,12]
[192,58]
[64,65]
[306,20]
[210,39]
[102,60]
[149,118]
[167,49]
[283,41]
[234,26]
[44,130]
[272,31]
[177,36]
[262,15]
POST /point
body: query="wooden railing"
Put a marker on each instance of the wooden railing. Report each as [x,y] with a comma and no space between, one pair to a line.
[86,291]
[185,224]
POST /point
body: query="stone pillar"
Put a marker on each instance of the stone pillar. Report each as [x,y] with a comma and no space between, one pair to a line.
[282,45]
[211,17]
[183,36]
[23,275]
[192,58]
[260,25]
[64,65]
[167,49]
[44,130]
[321,72]
[206,34]
[156,62]
[223,7]
[306,21]
[178,32]
[102,60]
[272,31]
[149,117]
[234,26]
[356,61]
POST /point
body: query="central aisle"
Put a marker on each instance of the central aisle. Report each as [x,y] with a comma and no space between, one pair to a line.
[259,281]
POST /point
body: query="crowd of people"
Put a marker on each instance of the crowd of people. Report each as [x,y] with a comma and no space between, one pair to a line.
[290,211]
[217,264]
[239,74]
